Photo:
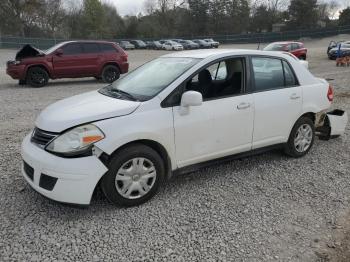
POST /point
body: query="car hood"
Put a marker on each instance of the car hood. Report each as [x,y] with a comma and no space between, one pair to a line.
[28,51]
[81,109]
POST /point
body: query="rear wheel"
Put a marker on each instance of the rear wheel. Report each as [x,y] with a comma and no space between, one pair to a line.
[301,138]
[37,77]
[110,73]
[134,176]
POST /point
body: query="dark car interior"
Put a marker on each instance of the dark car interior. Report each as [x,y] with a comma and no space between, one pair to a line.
[219,80]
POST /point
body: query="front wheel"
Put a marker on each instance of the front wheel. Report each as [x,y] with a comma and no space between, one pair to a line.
[110,73]
[37,77]
[134,176]
[301,138]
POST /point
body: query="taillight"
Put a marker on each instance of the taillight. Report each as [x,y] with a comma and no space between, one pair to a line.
[330,94]
[125,57]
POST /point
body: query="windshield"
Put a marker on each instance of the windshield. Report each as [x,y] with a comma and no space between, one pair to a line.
[274,47]
[55,47]
[148,80]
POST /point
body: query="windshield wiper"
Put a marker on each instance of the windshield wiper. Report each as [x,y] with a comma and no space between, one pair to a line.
[123,93]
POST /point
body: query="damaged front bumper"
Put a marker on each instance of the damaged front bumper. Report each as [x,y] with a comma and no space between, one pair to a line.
[332,124]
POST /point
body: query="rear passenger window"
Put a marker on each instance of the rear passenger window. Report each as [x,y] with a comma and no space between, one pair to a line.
[91,48]
[272,73]
[289,75]
[72,49]
[105,48]
[268,73]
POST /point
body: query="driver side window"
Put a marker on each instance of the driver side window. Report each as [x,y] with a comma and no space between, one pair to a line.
[221,79]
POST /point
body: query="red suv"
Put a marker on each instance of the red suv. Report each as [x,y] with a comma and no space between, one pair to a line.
[296,48]
[75,59]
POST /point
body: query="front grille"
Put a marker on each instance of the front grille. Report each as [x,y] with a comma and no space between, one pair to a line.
[28,170]
[42,138]
[47,182]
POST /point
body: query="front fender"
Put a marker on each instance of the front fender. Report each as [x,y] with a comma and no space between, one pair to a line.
[154,125]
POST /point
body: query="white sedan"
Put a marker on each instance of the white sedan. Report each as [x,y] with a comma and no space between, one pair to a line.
[171,115]
[172,45]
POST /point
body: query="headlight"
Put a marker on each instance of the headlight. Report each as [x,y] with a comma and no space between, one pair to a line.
[76,140]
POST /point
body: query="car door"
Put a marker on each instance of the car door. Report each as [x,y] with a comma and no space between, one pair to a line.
[277,100]
[68,63]
[223,124]
[91,59]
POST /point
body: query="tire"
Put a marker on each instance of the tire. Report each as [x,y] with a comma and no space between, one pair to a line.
[110,73]
[141,186]
[22,82]
[37,77]
[299,147]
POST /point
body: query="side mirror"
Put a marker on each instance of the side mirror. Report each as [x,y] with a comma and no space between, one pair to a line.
[59,52]
[188,99]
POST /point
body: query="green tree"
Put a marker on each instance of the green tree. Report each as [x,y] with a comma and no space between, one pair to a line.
[113,25]
[302,14]
[199,14]
[344,17]
[93,18]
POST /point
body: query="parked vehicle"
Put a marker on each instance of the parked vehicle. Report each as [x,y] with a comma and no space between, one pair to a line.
[305,63]
[333,48]
[126,45]
[202,43]
[209,105]
[213,43]
[171,45]
[296,48]
[188,44]
[139,44]
[176,40]
[74,59]
[156,45]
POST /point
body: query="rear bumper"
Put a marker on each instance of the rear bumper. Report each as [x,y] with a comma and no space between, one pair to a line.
[16,71]
[334,124]
[124,68]
[67,180]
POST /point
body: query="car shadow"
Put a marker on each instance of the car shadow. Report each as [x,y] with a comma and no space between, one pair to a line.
[55,83]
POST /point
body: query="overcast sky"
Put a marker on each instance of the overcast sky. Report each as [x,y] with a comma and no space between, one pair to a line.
[128,7]
[133,7]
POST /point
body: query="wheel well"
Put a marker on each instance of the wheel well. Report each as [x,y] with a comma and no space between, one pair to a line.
[41,66]
[156,147]
[310,115]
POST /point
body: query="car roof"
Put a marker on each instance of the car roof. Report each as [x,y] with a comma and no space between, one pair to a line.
[286,42]
[202,54]
[88,41]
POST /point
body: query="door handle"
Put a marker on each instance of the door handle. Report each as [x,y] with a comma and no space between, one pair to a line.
[243,106]
[294,96]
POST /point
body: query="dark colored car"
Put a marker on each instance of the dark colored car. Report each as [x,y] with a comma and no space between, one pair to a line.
[126,45]
[202,43]
[188,44]
[75,59]
[139,44]
[156,45]
[333,48]
[295,48]
[214,44]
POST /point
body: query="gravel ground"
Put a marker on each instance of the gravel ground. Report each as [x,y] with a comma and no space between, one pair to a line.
[263,208]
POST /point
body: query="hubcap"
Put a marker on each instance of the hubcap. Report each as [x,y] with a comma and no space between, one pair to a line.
[135,178]
[111,75]
[303,138]
[38,77]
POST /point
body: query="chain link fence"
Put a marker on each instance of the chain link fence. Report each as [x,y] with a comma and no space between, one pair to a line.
[44,43]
